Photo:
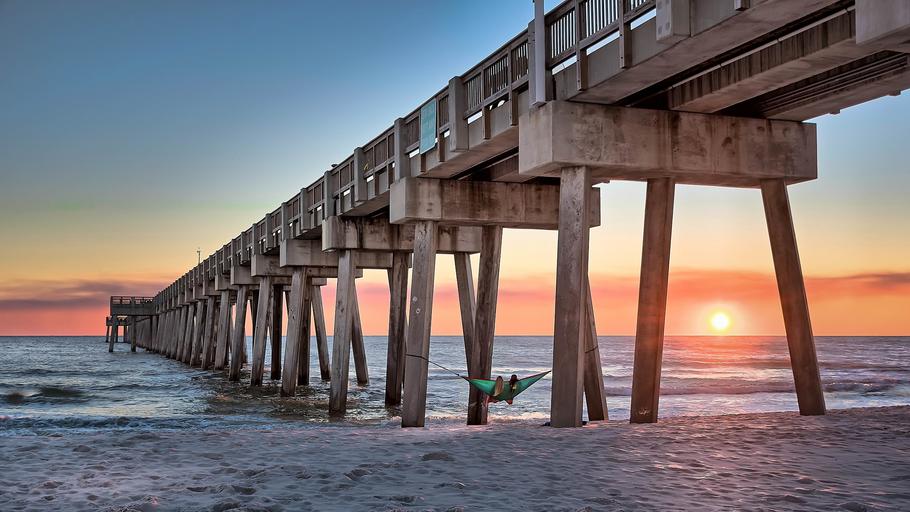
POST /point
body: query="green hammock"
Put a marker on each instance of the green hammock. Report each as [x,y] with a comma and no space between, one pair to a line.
[508,391]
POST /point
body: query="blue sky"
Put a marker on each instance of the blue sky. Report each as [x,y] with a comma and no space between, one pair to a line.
[151,128]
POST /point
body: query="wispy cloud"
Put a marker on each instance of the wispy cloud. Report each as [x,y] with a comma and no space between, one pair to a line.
[849,304]
[72,294]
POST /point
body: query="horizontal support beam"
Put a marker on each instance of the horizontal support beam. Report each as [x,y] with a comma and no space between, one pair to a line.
[480,203]
[805,54]
[618,143]
[309,253]
[883,23]
[378,234]
[223,282]
[267,266]
[241,275]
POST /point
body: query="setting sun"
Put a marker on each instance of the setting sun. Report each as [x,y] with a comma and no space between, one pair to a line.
[720,321]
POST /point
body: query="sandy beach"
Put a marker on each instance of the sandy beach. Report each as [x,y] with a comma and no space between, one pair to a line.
[849,460]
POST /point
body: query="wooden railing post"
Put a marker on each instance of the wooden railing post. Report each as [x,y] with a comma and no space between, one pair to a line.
[402,162]
[360,182]
[458,123]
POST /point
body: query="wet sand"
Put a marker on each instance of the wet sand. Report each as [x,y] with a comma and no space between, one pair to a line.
[851,460]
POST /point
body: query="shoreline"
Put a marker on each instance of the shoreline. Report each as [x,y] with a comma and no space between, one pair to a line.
[851,459]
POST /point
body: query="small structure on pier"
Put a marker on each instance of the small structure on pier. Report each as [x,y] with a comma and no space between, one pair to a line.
[700,92]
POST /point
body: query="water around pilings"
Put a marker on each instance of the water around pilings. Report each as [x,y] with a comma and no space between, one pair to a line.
[60,384]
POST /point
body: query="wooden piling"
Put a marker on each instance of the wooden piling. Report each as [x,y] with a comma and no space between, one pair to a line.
[413,412]
[595,396]
[398,301]
[263,314]
[156,325]
[341,338]
[238,334]
[133,334]
[303,364]
[571,284]
[792,290]
[114,334]
[360,356]
[184,356]
[295,332]
[224,323]
[322,342]
[652,300]
[464,281]
[177,346]
[208,338]
[198,327]
[485,319]
[275,331]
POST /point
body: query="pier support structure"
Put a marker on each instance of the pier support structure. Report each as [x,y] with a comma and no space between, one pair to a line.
[587,143]
[432,205]
[394,243]
[309,267]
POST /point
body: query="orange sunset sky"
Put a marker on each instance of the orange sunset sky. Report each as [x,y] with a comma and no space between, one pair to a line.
[123,152]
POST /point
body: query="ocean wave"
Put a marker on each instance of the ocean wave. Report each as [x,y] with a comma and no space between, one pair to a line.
[743,388]
[43,393]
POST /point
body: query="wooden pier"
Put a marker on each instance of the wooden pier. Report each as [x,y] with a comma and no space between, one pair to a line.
[697,92]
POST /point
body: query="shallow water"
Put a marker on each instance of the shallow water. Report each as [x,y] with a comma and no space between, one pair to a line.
[55,384]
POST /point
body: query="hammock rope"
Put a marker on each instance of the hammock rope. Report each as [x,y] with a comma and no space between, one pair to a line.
[488,387]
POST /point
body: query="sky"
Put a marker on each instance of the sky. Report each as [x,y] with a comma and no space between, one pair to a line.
[133,133]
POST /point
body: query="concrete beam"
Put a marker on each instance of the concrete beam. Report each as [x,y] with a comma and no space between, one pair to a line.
[639,144]
[807,53]
[378,234]
[883,23]
[223,282]
[241,275]
[716,27]
[480,203]
[309,253]
[267,266]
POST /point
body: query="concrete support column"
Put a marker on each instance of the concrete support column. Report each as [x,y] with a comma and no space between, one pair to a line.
[263,318]
[485,319]
[184,354]
[322,343]
[571,297]
[275,330]
[413,413]
[341,338]
[238,335]
[398,302]
[224,330]
[357,347]
[207,351]
[595,395]
[652,300]
[133,334]
[114,334]
[793,300]
[298,332]
[198,327]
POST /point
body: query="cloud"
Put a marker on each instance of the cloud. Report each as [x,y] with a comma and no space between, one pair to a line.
[71,294]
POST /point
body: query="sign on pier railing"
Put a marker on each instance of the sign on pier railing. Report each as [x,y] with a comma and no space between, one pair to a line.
[428,126]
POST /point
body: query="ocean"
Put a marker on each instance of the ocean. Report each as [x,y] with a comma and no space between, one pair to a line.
[54,385]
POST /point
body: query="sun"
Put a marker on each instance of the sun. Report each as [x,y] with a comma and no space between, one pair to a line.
[720,321]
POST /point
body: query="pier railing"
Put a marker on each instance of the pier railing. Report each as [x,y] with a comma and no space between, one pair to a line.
[572,29]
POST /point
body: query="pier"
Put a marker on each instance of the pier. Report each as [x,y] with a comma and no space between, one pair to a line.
[667,92]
